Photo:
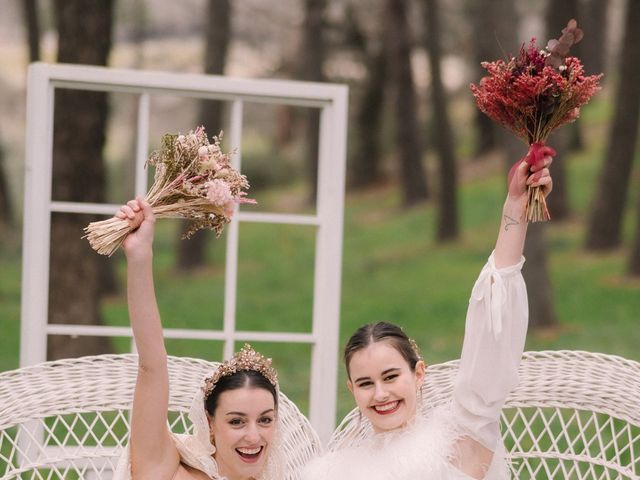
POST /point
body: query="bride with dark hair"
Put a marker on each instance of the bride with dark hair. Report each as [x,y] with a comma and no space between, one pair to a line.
[234,413]
[461,440]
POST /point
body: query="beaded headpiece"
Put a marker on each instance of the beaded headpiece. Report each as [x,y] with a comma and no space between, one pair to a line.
[247,359]
[415,348]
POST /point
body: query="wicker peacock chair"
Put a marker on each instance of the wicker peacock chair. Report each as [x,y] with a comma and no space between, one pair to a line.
[574,416]
[68,419]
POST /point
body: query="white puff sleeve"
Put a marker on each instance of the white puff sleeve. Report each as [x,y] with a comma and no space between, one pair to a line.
[495,331]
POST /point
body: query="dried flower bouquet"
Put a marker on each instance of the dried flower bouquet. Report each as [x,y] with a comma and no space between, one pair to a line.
[193,180]
[535,93]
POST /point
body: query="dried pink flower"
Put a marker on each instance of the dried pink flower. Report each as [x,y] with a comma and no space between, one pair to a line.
[194,179]
[218,192]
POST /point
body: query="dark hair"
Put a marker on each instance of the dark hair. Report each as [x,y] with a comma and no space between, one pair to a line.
[241,379]
[378,332]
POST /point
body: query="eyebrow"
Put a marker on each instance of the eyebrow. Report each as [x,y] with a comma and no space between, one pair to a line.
[388,370]
[242,414]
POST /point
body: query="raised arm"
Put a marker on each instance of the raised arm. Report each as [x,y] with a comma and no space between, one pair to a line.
[513,227]
[495,331]
[153,453]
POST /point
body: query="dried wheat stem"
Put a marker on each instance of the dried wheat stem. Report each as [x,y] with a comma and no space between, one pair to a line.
[536,208]
[107,235]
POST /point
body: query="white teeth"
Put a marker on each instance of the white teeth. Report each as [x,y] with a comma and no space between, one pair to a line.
[387,407]
[250,451]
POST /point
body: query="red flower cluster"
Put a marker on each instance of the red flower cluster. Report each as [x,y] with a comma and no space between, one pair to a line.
[535,93]
[532,98]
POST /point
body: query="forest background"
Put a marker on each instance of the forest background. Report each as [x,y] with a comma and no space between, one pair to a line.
[425,170]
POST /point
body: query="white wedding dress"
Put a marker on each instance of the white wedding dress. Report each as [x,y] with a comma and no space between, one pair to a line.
[495,331]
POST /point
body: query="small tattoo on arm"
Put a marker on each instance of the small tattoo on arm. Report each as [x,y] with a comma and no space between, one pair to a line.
[509,221]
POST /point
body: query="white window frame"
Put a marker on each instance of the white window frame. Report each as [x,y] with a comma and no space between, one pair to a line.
[331,99]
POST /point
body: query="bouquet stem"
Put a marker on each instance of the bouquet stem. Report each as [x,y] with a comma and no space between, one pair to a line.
[106,236]
[536,209]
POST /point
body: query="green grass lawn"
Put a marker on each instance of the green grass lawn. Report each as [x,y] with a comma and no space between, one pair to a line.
[392,270]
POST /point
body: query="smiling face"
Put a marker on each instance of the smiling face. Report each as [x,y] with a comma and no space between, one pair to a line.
[243,428]
[384,386]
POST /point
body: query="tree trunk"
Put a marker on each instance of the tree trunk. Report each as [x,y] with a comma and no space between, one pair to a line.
[558,14]
[594,44]
[558,203]
[569,137]
[366,165]
[575,140]
[6,208]
[311,59]
[447,228]
[535,273]
[30,11]
[634,258]
[514,149]
[32,29]
[496,37]
[192,253]
[605,223]
[84,36]
[407,140]
[367,160]
[486,47]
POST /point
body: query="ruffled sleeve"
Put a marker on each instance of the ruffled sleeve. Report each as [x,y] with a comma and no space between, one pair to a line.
[494,339]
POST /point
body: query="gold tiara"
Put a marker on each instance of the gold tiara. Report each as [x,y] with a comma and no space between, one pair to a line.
[247,359]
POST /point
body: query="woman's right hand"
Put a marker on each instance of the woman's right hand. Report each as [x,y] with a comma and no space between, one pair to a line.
[139,215]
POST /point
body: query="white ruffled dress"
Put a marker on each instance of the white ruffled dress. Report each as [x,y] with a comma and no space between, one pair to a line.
[495,331]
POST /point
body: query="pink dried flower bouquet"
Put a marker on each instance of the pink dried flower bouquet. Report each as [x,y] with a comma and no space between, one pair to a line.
[193,180]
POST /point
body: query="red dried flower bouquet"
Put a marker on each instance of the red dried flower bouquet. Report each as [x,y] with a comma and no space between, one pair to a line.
[535,93]
[194,179]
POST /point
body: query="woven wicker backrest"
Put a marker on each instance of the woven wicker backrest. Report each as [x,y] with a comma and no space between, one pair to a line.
[574,415]
[68,419]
